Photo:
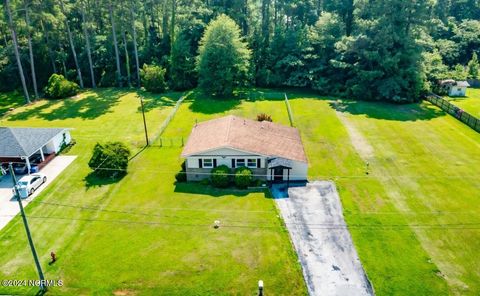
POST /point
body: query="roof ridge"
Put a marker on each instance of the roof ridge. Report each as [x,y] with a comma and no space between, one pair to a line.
[10,129]
[227,136]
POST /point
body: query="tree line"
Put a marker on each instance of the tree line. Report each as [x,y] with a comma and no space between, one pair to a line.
[390,50]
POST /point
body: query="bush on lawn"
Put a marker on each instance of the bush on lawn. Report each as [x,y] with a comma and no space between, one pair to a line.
[153,78]
[221,176]
[264,117]
[58,87]
[243,177]
[182,175]
[109,159]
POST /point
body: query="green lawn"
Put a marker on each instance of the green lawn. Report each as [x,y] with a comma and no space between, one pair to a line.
[10,100]
[414,217]
[470,103]
[143,234]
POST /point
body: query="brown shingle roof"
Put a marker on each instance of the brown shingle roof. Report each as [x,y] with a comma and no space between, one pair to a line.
[263,138]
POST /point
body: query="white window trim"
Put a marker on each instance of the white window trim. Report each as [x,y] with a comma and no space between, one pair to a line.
[236,162]
[255,163]
[205,165]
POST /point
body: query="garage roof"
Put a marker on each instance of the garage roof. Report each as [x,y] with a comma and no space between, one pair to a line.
[262,138]
[19,141]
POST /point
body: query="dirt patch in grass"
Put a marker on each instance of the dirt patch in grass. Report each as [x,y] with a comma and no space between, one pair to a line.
[124,293]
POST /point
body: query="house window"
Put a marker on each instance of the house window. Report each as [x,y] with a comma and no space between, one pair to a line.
[240,162]
[252,163]
[208,163]
[459,89]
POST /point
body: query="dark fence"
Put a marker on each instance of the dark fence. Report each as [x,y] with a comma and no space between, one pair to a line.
[474,82]
[168,142]
[169,117]
[455,111]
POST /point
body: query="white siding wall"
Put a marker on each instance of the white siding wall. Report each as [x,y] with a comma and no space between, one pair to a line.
[456,91]
[56,143]
[223,156]
[192,162]
[298,172]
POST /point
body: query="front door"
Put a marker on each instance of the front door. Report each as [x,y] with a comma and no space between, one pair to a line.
[278,174]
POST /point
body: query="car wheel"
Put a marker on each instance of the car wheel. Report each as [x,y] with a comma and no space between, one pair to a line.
[44,179]
[32,191]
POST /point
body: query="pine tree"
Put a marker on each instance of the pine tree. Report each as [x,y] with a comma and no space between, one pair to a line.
[473,67]
[223,60]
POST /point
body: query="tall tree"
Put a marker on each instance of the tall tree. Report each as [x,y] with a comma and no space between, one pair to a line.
[473,67]
[134,36]
[115,44]
[30,49]
[17,53]
[72,46]
[47,43]
[223,59]
[383,61]
[127,58]
[87,43]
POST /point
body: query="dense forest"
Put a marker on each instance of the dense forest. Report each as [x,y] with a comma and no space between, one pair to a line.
[391,50]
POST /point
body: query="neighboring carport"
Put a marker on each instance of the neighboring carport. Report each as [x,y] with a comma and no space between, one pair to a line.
[9,205]
[314,218]
[24,145]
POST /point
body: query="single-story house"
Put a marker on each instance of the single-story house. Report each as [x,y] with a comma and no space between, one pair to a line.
[454,88]
[272,151]
[31,145]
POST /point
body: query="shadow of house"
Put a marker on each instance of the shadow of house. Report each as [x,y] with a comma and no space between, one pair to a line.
[388,111]
[93,105]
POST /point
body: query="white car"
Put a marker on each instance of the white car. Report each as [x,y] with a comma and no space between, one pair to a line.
[28,184]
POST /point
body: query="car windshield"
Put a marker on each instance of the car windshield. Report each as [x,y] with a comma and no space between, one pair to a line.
[23,183]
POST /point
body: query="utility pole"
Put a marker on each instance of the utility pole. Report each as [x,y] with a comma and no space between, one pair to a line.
[144,121]
[27,229]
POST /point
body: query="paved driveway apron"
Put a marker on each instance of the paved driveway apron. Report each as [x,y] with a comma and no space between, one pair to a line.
[314,218]
[9,206]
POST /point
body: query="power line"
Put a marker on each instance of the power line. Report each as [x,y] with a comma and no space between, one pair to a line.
[87,207]
[474,177]
[313,226]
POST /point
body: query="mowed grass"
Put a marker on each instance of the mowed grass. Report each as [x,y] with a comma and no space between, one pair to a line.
[470,103]
[392,256]
[413,217]
[10,100]
[428,165]
[145,235]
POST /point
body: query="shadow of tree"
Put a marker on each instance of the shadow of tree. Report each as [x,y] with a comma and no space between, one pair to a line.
[152,101]
[388,111]
[198,188]
[92,105]
[206,104]
[10,100]
[32,111]
[92,180]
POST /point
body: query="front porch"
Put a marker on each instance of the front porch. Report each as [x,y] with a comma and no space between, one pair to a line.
[279,170]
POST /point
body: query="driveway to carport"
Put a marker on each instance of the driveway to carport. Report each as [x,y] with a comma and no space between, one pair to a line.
[314,218]
[9,205]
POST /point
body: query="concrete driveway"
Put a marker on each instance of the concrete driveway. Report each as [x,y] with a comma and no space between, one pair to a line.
[314,218]
[9,205]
